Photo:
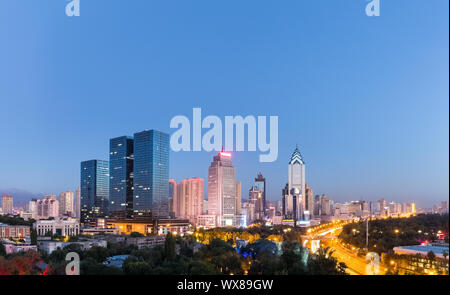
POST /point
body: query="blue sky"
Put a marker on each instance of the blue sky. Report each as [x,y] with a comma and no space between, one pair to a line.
[365,98]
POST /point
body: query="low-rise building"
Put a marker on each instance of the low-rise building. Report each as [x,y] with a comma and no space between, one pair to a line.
[206,221]
[63,227]
[145,242]
[98,231]
[50,246]
[147,226]
[12,247]
[14,231]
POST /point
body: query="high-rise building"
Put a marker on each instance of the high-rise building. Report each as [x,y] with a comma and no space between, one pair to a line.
[173,185]
[151,174]
[222,191]
[47,207]
[77,204]
[94,189]
[121,176]
[309,200]
[7,204]
[255,196]
[32,208]
[188,200]
[66,204]
[294,192]
[260,183]
[325,205]
[317,205]
[248,210]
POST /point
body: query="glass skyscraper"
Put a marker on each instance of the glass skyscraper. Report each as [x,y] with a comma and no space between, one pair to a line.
[260,183]
[151,174]
[121,175]
[94,189]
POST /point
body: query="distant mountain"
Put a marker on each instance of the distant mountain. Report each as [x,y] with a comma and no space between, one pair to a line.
[20,197]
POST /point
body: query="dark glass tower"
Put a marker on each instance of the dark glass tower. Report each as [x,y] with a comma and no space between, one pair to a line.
[260,183]
[151,174]
[121,176]
[94,184]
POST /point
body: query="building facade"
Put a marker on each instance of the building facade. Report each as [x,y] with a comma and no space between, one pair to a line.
[94,189]
[63,227]
[66,204]
[223,196]
[47,207]
[7,204]
[77,204]
[260,183]
[294,193]
[188,200]
[14,231]
[151,174]
[121,175]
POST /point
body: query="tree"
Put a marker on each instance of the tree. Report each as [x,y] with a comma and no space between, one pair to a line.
[2,249]
[169,247]
[136,235]
[198,267]
[33,237]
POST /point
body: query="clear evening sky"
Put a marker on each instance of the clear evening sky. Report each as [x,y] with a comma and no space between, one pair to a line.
[365,98]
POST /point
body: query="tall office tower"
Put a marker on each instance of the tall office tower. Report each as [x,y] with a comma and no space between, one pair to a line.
[189,199]
[238,189]
[317,205]
[32,208]
[255,196]
[375,208]
[295,197]
[222,196]
[47,207]
[66,204]
[173,198]
[325,205]
[248,210]
[77,204]
[309,200]
[284,200]
[383,205]
[94,189]
[151,174]
[7,204]
[260,182]
[121,176]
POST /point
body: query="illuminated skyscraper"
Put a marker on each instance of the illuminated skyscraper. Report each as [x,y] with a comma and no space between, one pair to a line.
[260,183]
[255,196]
[309,201]
[294,193]
[94,189]
[223,191]
[151,174]
[121,175]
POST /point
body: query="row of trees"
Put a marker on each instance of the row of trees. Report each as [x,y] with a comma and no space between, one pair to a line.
[385,234]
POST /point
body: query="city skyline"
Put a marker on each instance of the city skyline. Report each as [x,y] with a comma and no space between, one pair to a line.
[366,99]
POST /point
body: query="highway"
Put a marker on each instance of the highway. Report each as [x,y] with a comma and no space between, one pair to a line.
[328,238]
